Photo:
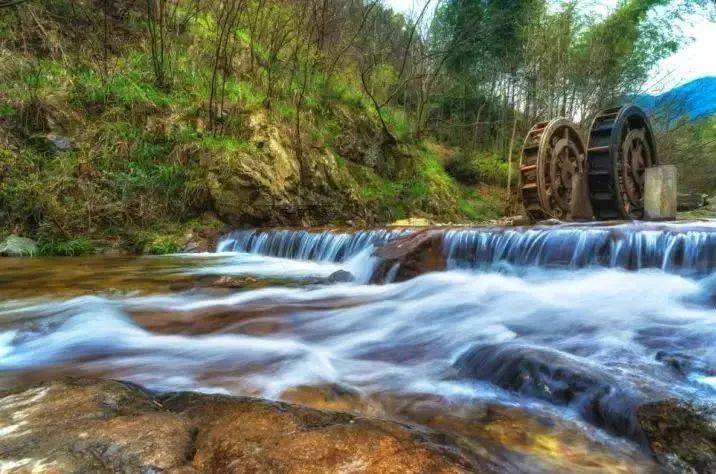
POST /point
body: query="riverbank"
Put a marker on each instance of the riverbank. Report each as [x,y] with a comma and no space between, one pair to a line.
[96,156]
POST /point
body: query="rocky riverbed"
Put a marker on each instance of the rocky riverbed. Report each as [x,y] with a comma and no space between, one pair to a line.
[555,349]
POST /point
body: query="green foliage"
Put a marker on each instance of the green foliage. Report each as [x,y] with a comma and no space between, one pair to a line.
[691,146]
[157,243]
[478,167]
[67,248]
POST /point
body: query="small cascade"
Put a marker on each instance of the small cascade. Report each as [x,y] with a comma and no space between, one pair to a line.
[678,248]
[303,245]
[686,249]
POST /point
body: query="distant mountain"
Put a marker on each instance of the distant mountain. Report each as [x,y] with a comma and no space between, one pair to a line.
[696,98]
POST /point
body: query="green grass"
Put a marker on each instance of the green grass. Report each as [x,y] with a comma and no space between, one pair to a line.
[67,248]
[217,143]
[157,243]
[133,87]
[477,208]
[244,92]
[397,122]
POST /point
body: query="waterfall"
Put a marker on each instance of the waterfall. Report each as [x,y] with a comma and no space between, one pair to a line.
[304,245]
[678,248]
[688,248]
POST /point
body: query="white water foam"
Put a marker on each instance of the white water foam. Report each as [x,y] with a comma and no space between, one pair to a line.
[379,337]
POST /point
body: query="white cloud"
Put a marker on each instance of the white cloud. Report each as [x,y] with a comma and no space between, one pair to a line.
[696,59]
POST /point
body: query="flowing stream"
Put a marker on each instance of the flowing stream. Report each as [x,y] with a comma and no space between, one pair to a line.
[576,324]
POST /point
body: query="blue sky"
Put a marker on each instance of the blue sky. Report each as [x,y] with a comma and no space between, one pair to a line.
[696,59]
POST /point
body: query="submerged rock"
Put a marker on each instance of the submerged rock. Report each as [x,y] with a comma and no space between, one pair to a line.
[16,246]
[557,378]
[681,435]
[92,425]
[340,276]
[685,364]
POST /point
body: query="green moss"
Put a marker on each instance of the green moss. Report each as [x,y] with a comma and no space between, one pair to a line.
[479,167]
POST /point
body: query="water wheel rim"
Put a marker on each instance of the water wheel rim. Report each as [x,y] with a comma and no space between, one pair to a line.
[616,188]
[545,177]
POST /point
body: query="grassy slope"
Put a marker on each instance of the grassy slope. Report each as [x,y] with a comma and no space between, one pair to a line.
[134,177]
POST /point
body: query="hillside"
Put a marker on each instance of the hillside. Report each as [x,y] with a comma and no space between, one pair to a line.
[97,150]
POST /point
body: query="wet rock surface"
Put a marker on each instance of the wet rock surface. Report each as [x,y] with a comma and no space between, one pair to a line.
[410,256]
[681,435]
[340,276]
[91,425]
[555,377]
[515,439]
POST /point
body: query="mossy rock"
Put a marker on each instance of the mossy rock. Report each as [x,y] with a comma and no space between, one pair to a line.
[16,246]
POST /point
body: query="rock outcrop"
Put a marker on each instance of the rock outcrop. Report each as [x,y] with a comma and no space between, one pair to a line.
[265,183]
[90,425]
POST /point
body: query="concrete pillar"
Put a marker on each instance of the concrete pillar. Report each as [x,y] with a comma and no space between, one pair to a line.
[660,193]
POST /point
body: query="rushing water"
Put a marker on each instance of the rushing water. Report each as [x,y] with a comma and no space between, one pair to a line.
[580,322]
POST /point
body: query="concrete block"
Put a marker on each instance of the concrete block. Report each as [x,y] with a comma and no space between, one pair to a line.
[660,193]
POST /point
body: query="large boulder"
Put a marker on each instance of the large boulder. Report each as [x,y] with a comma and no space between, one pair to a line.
[89,425]
[681,435]
[410,256]
[15,246]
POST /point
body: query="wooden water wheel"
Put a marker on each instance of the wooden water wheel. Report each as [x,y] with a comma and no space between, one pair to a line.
[621,148]
[553,152]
